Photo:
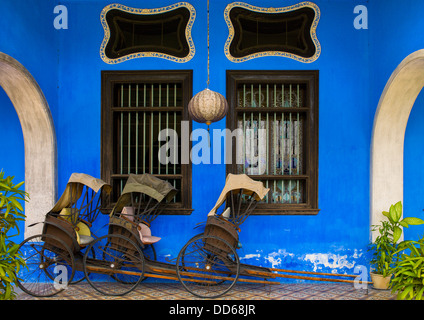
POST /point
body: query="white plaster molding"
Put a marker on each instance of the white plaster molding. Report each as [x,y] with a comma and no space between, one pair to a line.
[39,139]
[388,135]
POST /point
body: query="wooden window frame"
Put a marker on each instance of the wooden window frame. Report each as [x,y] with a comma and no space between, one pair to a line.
[310,139]
[108,79]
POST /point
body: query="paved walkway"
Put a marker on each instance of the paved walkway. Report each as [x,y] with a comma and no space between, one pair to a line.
[175,291]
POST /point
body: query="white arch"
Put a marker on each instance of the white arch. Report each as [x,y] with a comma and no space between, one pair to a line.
[39,138]
[388,135]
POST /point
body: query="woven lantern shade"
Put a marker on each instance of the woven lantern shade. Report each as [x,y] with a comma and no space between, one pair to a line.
[207,106]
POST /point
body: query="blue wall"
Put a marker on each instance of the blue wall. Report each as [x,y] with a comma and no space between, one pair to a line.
[353,71]
[27,35]
[394,28]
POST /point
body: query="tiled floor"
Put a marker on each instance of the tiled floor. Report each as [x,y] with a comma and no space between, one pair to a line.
[175,291]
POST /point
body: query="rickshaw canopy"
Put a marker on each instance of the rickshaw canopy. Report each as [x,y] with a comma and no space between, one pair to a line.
[236,182]
[148,184]
[74,188]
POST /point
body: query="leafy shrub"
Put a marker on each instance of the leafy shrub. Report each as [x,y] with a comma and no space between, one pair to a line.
[408,278]
[11,212]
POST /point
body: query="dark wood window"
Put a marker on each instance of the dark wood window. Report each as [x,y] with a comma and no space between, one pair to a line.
[136,106]
[276,114]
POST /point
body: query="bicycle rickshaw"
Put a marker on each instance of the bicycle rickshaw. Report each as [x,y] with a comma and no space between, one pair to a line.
[54,257]
[207,266]
[117,262]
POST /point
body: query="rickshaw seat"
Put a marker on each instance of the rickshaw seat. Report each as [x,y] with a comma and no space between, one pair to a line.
[146,234]
[81,229]
[143,230]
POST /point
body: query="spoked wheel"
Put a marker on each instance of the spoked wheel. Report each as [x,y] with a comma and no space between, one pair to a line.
[208,266]
[50,266]
[149,253]
[113,265]
[79,274]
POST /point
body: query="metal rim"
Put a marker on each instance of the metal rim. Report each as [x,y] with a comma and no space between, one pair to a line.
[204,270]
[50,266]
[118,265]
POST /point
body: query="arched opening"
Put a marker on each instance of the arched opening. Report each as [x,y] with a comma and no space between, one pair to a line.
[388,136]
[39,138]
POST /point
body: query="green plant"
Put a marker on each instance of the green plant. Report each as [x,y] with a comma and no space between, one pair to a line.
[408,272]
[385,247]
[11,212]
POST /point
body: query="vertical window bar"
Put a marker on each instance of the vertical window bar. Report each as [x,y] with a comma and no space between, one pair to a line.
[129,130]
[290,95]
[260,146]
[276,126]
[297,148]
[244,130]
[275,95]
[175,142]
[252,141]
[136,131]
[244,143]
[267,130]
[275,141]
[244,95]
[291,144]
[151,132]
[175,129]
[251,96]
[144,128]
[167,118]
[267,140]
[160,104]
[283,123]
[290,149]
[298,104]
[298,136]
[121,134]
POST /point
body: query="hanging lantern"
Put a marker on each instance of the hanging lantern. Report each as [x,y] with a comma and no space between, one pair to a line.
[207,106]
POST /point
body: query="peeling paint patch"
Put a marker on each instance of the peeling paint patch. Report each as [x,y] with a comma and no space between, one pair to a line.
[276,258]
[357,255]
[329,260]
[250,256]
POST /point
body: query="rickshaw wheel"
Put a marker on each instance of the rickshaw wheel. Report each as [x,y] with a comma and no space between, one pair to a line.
[149,254]
[79,269]
[208,266]
[50,266]
[113,265]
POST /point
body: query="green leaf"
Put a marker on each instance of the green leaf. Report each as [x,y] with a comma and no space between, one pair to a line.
[403,223]
[19,185]
[398,208]
[4,186]
[413,221]
[17,204]
[397,232]
[420,294]
[393,214]
[404,293]
[8,291]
